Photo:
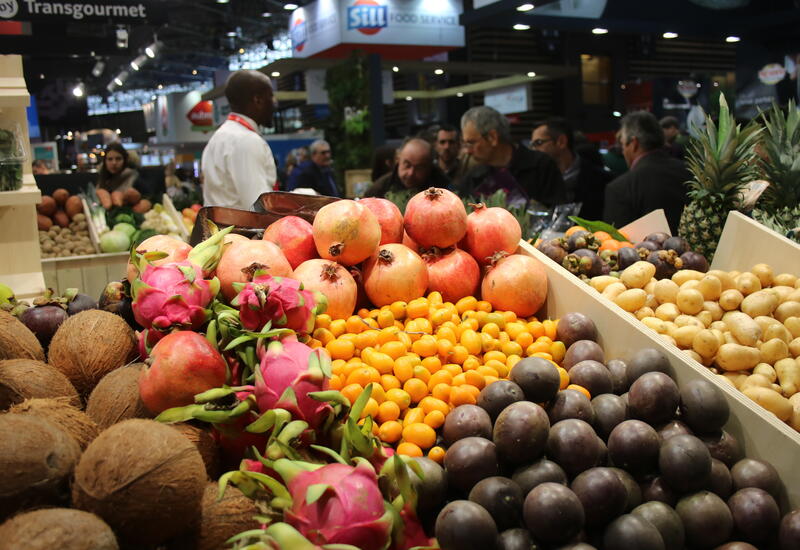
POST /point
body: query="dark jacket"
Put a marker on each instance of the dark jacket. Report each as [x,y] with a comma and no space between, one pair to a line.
[119,182]
[309,175]
[590,186]
[391,182]
[531,174]
[656,181]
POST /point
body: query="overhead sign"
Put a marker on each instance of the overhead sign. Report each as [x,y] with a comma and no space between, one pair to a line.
[772,73]
[512,99]
[202,116]
[324,24]
[117,11]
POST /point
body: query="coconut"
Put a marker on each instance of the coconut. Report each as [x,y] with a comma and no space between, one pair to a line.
[222,519]
[22,379]
[144,479]
[61,413]
[116,397]
[17,341]
[89,345]
[206,445]
[36,460]
[60,528]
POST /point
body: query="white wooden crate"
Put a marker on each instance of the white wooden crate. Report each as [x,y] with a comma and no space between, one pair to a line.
[745,242]
[89,274]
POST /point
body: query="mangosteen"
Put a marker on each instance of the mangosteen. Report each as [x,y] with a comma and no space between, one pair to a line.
[582,239]
[647,245]
[610,258]
[44,318]
[627,256]
[583,262]
[116,299]
[77,302]
[677,244]
[555,249]
[694,260]
[658,238]
[667,263]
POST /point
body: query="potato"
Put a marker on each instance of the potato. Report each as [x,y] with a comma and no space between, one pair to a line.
[613,290]
[667,312]
[601,282]
[777,330]
[771,400]
[714,309]
[668,339]
[756,381]
[734,274]
[726,380]
[724,277]
[794,296]
[747,283]
[693,283]
[655,323]
[766,370]
[705,343]
[784,279]
[794,420]
[705,318]
[688,320]
[793,325]
[774,350]
[794,347]
[694,355]
[684,336]
[631,300]
[786,310]
[710,287]
[788,372]
[759,303]
[729,338]
[783,292]
[638,274]
[644,312]
[735,357]
[735,378]
[666,291]
[764,274]
[684,275]
[719,334]
[690,301]
[718,325]
[730,299]
[743,327]
[650,287]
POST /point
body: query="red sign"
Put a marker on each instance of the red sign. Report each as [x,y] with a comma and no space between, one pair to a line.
[202,116]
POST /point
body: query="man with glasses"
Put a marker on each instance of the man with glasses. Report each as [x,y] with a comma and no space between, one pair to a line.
[584,181]
[315,173]
[523,174]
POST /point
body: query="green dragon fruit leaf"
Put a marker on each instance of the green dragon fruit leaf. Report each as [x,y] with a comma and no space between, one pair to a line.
[292,431]
[330,452]
[207,254]
[211,334]
[315,492]
[215,394]
[179,414]
[278,449]
[224,417]
[330,396]
[361,402]
[403,482]
[269,419]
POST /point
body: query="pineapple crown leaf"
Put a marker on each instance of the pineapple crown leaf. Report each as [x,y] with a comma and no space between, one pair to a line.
[781,165]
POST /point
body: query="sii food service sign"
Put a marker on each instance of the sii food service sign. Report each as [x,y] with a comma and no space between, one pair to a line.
[327,23]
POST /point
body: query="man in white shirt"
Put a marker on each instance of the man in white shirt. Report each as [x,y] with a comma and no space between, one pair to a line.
[237,162]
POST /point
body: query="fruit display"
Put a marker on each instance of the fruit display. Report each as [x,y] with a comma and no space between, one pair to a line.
[63,227]
[364,394]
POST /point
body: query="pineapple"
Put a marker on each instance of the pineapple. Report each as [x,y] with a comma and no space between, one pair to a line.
[779,206]
[722,161]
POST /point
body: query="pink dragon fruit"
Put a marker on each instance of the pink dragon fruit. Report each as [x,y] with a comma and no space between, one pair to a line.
[289,371]
[412,534]
[280,300]
[337,504]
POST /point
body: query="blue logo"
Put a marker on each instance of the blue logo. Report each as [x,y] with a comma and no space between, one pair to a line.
[367,17]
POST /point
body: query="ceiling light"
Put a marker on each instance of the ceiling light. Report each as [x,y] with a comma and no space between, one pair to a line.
[617,114]
[275,74]
[521,27]
[525,7]
[134,65]
[396,69]
[290,7]
[77,91]
[41,76]
[732,39]
[98,68]
[160,86]
[153,97]
[118,131]
[531,74]
[241,50]
[670,34]
[194,71]
[152,50]
[266,14]
[438,71]
[230,34]
[117,81]
[599,30]
[409,98]
[460,94]
[223,1]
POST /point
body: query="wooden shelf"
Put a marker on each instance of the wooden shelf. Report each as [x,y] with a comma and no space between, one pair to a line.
[26,195]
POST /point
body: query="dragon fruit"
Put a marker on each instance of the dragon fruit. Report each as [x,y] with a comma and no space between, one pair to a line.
[288,372]
[337,504]
[279,300]
[412,534]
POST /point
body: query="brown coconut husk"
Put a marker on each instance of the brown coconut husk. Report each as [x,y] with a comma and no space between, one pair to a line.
[144,479]
[202,438]
[17,341]
[222,519]
[61,528]
[116,397]
[36,460]
[89,345]
[22,379]
[58,411]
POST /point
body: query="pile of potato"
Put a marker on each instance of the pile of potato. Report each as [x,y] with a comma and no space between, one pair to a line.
[73,240]
[745,326]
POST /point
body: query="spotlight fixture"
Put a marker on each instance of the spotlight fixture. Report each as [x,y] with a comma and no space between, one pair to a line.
[230,34]
[438,71]
[396,69]
[599,30]
[669,35]
[152,50]
[521,27]
[525,7]
[732,39]
[98,68]
[266,14]
[194,71]
[290,7]
[460,94]
[275,74]
[617,114]
[160,86]
[223,1]
[409,98]
[531,74]
[137,63]
[77,91]
[241,50]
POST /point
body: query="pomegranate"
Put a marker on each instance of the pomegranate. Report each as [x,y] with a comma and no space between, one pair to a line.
[389,217]
[436,217]
[242,259]
[515,283]
[181,365]
[176,251]
[346,231]
[231,238]
[491,230]
[394,273]
[294,237]
[410,243]
[453,273]
[332,280]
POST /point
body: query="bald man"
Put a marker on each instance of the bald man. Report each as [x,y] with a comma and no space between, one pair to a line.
[237,162]
[414,171]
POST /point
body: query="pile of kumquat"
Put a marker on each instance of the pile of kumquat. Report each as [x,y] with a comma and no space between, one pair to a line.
[426,357]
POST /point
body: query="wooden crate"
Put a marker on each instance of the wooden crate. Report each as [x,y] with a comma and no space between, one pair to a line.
[745,242]
[761,434]
[89,274]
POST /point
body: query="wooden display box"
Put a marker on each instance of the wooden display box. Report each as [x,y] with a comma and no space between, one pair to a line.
[760,433]
[745,242]
[89,274]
